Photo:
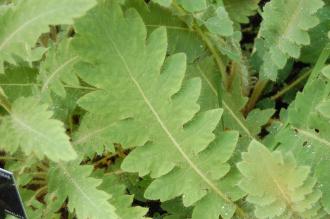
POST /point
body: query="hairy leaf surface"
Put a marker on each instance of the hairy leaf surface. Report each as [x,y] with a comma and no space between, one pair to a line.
[31,127]
[305,133]
[276,185]
[285,30]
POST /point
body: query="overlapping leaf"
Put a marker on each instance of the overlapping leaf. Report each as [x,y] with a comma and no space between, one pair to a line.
[84,198]
[305,133]
[277,186]
[285,30]
[121,200]
[239,11]
[181,38]
[57,68]
[31,127]
[22,24]
[139,87]
[319,36]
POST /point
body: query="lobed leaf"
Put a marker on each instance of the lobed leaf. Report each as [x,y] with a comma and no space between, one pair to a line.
[31,127]
[276,185]
[142,88]
[84,197]
[284,31]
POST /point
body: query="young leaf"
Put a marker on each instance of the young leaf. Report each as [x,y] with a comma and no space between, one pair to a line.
[84,198]
[306,133]
[276,185]
[31,127]
[22,24]
[139,88]
[284,29]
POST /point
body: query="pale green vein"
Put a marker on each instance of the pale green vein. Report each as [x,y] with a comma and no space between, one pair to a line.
[31,129]
[76,185]
[35,84]
[171,27]
[26,25]
[239,122]
[56,71]
[92,134]
[213,89]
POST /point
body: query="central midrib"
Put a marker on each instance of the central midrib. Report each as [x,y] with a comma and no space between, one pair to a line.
[59,69]
[76,185]
[165,129]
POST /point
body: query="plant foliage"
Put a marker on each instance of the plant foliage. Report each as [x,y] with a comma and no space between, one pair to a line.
[129,109]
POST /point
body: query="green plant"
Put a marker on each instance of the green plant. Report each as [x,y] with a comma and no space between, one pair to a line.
[133,109]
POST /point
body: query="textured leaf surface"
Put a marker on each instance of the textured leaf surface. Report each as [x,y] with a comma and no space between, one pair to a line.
[306,134]
[147,92]
[22,25]
[180,37]
[85,199]
[285,30]
[319,36]
[193,6]
[121,200]
[220,23]
[57,69]
[276,186]
[32,128]
[18,82]
[239,11]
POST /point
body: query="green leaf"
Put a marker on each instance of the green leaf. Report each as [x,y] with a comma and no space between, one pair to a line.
[324,109]
[31,127]
[142,88]
[28,19]
[18,81]
[239,11]
[120,200]
[319,36]
[220,23]
[276,185]
[84,197]
[57,69]
[326,71]
[306,133]
[181,38]
[284,29]
[249,127]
